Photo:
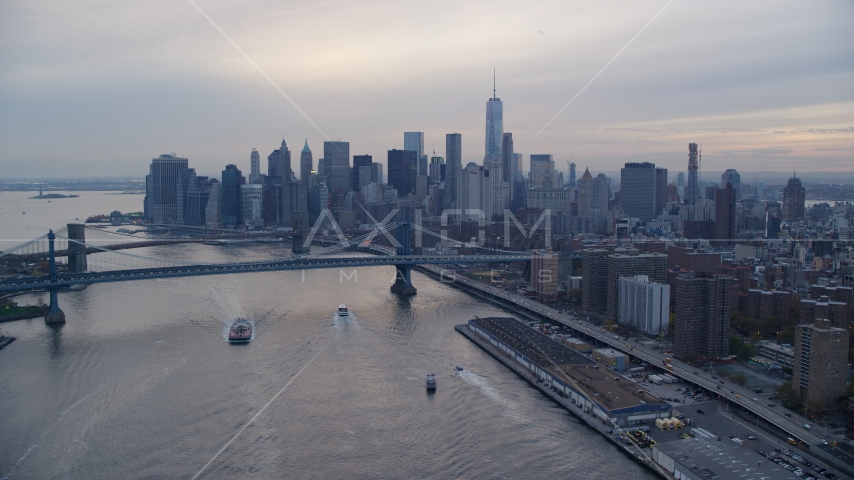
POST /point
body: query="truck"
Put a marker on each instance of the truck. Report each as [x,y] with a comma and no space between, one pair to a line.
[669,378]
[655,379]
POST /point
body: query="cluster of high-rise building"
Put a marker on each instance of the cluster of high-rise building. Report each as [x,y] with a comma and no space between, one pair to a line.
[355,187]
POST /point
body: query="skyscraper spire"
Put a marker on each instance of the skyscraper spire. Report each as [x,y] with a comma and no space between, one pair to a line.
[493,83]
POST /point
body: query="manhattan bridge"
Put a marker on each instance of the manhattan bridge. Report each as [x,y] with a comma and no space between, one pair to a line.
[86,263]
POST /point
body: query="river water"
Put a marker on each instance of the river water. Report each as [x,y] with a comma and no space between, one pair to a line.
[140,382]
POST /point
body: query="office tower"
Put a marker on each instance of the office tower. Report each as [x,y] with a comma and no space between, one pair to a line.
[366,174]
[518,174]
[336,166]
[692,190]
[402,171]
[653,265]
[299,199]
[644,305]
[414,142]
[196,193]
[594,279]
[474,197]
[821,364]
[542,171]
[305,162]
[594,199]
[793,200]
[702,323]
[637,191]
[725,215]
[507,171]
[162,188]
[318,201]
[544,273]
[660,190]
[377,172]
[454,159]
[556,200]
[572,181]
[254,167]
[279,164]
[680,179]
[232,213]
[732,176]
[213,208]
[437,169]
[494,131]
[358,162]
[251,205]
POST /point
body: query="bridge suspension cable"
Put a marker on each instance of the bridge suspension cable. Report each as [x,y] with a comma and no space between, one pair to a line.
[108,259]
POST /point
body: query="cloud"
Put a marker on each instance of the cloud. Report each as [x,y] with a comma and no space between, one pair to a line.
[97,87]
[757,152]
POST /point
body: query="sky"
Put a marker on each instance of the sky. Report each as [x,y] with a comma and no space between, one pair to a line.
[98,88]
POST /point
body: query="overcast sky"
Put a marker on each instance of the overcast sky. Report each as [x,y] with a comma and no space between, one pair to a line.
[98,88]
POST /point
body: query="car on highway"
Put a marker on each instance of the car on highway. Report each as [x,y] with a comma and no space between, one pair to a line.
[788,414]
[752,437]
[721,382]
[700,410]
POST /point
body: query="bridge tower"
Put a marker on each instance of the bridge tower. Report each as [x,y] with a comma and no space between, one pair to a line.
[300,223]
[403,278]
[76,252]
[54,314]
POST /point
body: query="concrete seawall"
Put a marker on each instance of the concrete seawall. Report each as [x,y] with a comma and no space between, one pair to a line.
[587,419]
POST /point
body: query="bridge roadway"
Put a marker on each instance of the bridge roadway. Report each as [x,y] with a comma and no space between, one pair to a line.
[683,370]
[66,280]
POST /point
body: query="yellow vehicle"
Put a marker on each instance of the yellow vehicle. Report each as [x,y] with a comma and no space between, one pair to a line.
[792,441]
[737,396]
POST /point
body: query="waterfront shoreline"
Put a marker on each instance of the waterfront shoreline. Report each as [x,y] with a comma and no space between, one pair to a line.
[607,432]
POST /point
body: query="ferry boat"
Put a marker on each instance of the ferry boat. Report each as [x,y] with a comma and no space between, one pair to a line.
[431,382]
[342,311]
[240,331]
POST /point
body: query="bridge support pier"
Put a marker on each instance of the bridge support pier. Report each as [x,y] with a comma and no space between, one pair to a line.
[54,314]
[403,274]
[300,223]
[403,281]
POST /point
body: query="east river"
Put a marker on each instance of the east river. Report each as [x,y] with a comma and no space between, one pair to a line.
[141,383]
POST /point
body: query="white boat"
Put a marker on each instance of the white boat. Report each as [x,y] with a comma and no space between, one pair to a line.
[342,311]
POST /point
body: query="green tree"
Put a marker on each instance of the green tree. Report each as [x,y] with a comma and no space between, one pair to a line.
[740,379]
[789,397]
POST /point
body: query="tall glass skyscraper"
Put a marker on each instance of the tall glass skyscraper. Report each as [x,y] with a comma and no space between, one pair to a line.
[494,130]
[414,142]
[336,166]
[255,168]
[453,167]
[492,158]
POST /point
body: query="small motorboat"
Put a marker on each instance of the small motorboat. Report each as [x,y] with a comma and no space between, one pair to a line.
[431,382]
[342,311]
[458,368]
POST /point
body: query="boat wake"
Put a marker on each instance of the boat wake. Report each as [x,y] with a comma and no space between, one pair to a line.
[511,408]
